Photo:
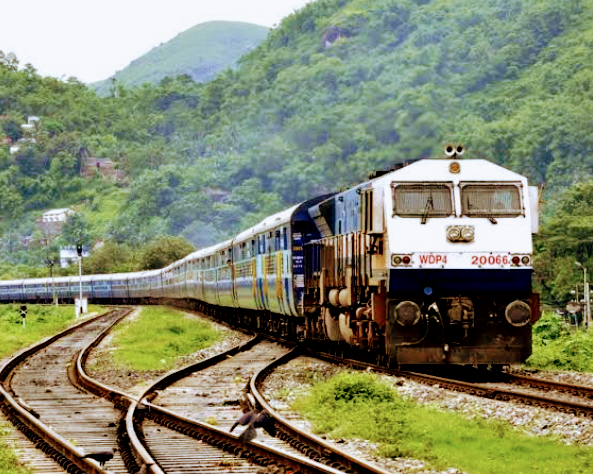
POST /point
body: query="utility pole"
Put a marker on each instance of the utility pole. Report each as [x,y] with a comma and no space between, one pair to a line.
[50,264]
[587,318]
[79,251]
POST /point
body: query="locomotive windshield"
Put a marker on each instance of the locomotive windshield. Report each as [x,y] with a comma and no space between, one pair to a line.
[491,200]
[422,200]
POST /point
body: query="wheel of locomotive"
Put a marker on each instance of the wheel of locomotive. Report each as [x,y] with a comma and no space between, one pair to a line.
[497,368]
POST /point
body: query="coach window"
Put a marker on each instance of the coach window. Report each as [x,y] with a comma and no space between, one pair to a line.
[422,200]
[285,238]
[491,200]
[277,241]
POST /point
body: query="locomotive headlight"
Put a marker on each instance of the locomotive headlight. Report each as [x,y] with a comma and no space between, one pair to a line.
[525,260]
[407,313]
[460,233]
[467,233]
[518,314]
[400,259]
[453,233]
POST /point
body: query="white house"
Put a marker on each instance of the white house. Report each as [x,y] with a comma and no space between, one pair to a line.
[68,255]
[51,222]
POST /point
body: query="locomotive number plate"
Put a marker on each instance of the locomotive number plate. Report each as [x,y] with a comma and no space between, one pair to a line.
[490,260]
[432,259]
[462,260]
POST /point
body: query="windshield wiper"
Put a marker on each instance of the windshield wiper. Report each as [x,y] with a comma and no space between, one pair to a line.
[429,205]
[487,215]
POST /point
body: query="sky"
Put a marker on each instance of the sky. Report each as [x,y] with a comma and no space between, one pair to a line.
[92,39]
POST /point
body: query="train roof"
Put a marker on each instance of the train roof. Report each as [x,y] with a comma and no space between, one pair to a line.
[437,169]
[273,221]
[195,255]
[12,282]
[36,281]
[298,211]
[215,248]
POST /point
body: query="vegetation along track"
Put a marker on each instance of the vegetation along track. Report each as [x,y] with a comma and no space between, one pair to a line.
[39,393]
[572,399]
[214,390]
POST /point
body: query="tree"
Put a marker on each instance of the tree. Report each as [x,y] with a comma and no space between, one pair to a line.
[565,238]
[164,250]
[110,257]
[76,231]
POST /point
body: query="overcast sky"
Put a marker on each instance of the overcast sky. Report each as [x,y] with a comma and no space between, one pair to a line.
[91,40]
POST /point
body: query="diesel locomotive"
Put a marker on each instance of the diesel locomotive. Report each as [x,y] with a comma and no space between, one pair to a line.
[427,263]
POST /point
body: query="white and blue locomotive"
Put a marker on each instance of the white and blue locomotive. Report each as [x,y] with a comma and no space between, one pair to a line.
[427,263]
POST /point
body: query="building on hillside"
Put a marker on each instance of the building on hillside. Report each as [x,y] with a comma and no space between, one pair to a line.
[52,222]
[101,166]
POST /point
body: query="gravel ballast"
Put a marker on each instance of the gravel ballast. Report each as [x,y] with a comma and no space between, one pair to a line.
[294,379]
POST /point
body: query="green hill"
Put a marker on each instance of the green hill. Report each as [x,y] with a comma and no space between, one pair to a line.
[200,52]
[340,88]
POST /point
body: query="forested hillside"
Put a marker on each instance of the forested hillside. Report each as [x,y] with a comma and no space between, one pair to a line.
[200,52]
[340,88]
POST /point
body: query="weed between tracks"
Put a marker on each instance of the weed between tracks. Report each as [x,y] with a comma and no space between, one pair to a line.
[42,321]
[354,405]
[9,463]
[158,337]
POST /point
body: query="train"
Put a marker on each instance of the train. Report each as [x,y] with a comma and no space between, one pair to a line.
[428,262]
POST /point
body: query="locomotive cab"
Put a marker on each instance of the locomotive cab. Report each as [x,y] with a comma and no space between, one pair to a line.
[460,271]
[429,263]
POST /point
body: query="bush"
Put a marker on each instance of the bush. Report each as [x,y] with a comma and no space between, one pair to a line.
[557,347]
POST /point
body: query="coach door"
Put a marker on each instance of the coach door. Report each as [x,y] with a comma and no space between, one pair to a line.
[260,271]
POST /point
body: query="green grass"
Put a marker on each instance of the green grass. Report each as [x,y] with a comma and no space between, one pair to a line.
[42,321]
[355,405]
[158,337]
[557,346]
[106,205]
[9,464]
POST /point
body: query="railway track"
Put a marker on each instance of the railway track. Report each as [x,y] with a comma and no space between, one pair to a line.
[39,396]
[548,386]
[181,423]
[513,389]
[214,391]
[45,393]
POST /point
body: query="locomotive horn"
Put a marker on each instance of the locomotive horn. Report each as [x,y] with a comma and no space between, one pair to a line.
[459,150]
[450,149]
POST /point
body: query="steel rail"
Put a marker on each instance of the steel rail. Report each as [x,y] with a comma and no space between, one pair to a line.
[253,451]
[59,448]
[310,444]
[535,382]
[575,408]
[138,447]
